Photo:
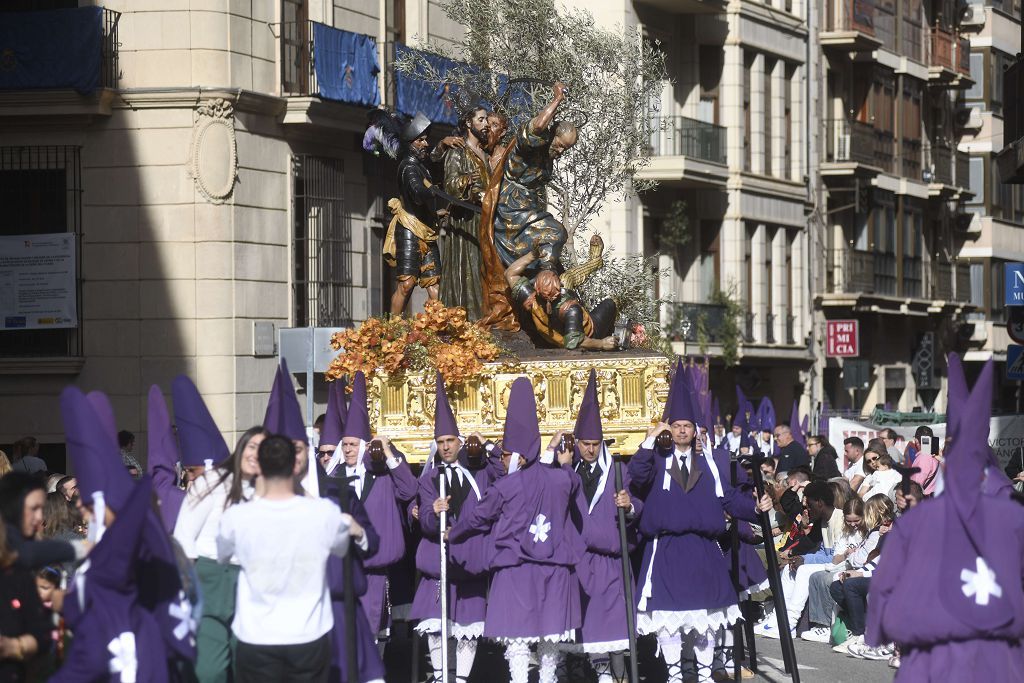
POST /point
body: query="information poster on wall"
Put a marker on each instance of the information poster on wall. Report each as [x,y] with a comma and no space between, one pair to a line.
[38,282]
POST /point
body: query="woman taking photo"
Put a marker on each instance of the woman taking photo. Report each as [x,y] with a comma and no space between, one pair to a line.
[210,494]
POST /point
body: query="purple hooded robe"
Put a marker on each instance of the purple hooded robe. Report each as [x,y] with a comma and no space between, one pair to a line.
[535,537]
[948,587]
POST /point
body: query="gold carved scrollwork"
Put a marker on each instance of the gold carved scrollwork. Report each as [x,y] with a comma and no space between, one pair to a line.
[631,391]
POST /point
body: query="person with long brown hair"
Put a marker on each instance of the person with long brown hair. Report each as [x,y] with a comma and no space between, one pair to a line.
[214,491]
[24,630]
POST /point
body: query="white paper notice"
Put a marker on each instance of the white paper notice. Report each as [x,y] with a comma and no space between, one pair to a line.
[38,288]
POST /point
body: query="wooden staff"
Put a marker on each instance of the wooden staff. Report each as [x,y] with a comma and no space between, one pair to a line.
[442,491]
[627,578]
[774,578]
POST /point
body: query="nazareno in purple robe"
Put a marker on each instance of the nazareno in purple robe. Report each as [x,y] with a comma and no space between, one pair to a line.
[535,537]
[600,569]
[116,640]
[371,668]
[467,589]
[684,583]
[948,587]
[384,496]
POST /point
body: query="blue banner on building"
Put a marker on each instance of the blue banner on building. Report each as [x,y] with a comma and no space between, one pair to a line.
[346,66]
[55,49]
[414,95]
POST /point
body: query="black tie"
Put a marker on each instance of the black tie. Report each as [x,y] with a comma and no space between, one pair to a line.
[678,470]
[591,479]
[455,487]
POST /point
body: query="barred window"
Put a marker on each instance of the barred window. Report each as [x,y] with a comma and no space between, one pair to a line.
[322,247]
[41,193]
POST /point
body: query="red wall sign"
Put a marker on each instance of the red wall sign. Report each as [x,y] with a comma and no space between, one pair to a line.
[842,338]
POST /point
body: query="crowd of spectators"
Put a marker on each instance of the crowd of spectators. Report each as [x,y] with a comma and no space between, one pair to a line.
[829,525]
[42,537]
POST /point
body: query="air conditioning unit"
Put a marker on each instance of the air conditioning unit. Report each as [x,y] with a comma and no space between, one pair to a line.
[968,118]
[973,16]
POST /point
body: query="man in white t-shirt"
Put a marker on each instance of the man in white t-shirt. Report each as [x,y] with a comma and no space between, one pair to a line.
[282,541]
[853,449]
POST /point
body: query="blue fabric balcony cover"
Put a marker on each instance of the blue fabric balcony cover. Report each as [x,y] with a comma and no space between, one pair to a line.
[413,95]
[54,49]
[346,65]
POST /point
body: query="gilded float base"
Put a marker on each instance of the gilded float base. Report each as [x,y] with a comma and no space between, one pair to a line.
[632,388]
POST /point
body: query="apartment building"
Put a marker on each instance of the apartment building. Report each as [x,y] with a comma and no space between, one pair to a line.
[994,234]
[212,179]
[895,186]
[733,153]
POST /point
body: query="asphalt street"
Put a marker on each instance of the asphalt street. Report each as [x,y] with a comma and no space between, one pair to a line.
[817,664]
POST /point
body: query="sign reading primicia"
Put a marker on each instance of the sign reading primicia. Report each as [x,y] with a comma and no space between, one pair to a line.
[842,339]
[38,281]
[1014,284]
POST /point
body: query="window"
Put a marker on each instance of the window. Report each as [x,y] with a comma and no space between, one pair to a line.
[769,108]
[710,258]
[977,91]
[322,244]
[748,64]
[976,168]
[977,275]
[710,57]
[996,301]
[41,193]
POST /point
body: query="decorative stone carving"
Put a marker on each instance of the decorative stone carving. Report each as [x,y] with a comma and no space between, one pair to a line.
[213,157]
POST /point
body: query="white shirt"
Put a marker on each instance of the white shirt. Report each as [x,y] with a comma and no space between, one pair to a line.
[282,546]
[199,517]
[883,482]
[855,470]
[733,441]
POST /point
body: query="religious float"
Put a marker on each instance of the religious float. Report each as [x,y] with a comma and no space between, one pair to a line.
[512,290]
[400,357]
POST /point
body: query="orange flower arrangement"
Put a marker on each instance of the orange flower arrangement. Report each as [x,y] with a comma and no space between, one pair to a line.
[438,338]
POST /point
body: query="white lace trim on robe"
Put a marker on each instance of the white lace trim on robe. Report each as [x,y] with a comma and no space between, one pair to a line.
[669,623]
[564,637]
[747,592]
[457,631]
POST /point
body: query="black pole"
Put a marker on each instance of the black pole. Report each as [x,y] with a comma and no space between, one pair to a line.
[774,578]
[352,661]
[627,578]
[734,542]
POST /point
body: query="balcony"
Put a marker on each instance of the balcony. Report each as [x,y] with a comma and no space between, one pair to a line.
[687,151]
[328,75]
[950,283]
[684,137]
[58,62]
[949,59]
[940,165]
[910,158]
[851,143]
[946,171]
[849,25]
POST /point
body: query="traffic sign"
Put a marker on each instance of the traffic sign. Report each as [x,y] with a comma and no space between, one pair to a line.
[1015,323]
[1014,284]
[842,338]
[1015,362]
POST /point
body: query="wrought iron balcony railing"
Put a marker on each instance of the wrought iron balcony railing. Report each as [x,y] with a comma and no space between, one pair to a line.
[682,136]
